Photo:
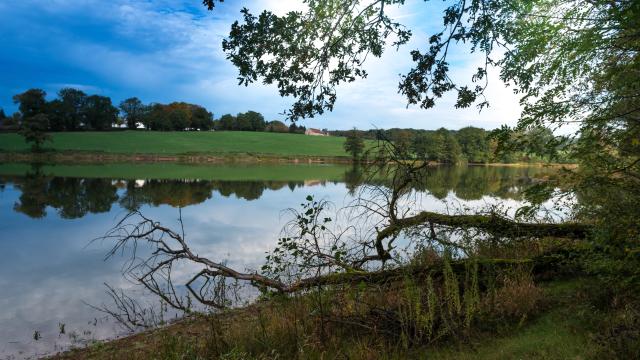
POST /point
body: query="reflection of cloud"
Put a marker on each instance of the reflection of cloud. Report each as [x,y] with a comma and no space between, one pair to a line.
[50,269]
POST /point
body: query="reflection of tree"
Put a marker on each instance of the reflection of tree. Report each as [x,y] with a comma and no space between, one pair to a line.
[67,195]
[475,182]
[100,194]
[248,190]
[468,183]
[33,200]
[75,197]
[353,178]
[251,190]
[177,193]
[133,198]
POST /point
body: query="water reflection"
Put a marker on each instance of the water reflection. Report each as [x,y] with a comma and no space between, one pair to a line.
[49,270]
[75,197]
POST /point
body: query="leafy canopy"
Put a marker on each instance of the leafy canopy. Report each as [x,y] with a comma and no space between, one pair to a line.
[574,63]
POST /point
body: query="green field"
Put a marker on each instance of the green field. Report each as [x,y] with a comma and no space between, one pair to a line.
[182,143]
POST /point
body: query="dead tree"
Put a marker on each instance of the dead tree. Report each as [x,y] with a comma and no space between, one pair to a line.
[314,251]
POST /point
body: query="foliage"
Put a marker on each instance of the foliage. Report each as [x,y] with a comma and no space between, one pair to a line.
[11,123]
[474,144]
[34,131]
[354,144]
[276,126]
[177,116]
[31,102]
[571,63]
[296,129]
[99,113]
[133,110]
[389,321]
[249,121]
[72,109]
[308,54]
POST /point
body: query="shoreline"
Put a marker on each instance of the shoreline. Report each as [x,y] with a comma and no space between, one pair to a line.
[86,158]
[97,157]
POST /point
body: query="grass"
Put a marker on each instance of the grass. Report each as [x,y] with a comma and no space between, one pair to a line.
[556,334]
[559,330]
[235,172]
[183,143]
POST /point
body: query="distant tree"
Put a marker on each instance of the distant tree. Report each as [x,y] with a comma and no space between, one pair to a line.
[419,145]
[156,118]
[474,144]
[434,145]
[201,118]
[354,144]
[57,115]
[256,120]
[226,122]
[179,118]
[72,108]
[296,129]
[540,141]
[99,113]
[242,123]
[277,126]
[34,130]
[133,110]
[452,151]
[31,102]
[402,141]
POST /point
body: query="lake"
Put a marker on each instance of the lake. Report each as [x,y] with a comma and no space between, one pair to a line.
[53,275]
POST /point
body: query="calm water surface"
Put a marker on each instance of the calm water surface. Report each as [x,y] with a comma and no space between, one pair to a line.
[51,273]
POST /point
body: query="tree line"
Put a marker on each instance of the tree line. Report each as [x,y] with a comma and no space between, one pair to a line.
[74,110]
[469,144]
[254,121]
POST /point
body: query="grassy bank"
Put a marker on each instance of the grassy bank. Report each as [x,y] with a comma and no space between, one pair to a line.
[558,327]
[187,147]
[226,143]
[434,308]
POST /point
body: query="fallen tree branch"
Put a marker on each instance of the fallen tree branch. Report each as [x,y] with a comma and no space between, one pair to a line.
[539,265]
[493,224]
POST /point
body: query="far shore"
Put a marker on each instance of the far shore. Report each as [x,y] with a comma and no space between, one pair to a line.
[85,157]
[79,157]
[82,157]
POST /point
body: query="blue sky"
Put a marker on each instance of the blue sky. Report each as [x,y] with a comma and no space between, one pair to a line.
[170,50]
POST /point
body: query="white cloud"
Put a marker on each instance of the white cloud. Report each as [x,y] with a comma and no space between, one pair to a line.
[163,50]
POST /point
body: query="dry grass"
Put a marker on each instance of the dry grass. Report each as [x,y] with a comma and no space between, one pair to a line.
[354,322]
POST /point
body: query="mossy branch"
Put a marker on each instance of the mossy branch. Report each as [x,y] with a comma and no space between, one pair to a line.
[493,224]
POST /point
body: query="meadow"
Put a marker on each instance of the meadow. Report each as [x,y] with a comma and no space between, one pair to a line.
[185,143]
